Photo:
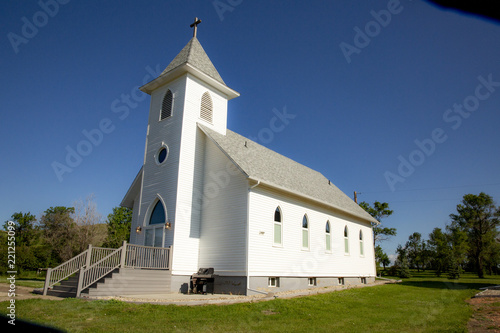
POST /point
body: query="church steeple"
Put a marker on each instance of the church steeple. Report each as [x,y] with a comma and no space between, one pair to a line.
[194,54]
[194,60]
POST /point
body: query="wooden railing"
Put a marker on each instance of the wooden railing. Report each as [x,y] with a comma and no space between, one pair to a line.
[147,257]
[101,268]
[66,269]
[96,262]
[98,253]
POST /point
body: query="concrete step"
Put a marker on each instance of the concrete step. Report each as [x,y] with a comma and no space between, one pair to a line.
[115,291]
[59,293]
[120,292]
[65,288]
[131,283]
[69,283]
[125,277]
[123,281]
[142,272]
[126,281]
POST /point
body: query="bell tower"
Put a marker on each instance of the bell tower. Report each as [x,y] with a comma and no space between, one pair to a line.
[188,92]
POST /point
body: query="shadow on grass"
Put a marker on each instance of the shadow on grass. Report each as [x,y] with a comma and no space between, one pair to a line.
[27,326]
[453,285]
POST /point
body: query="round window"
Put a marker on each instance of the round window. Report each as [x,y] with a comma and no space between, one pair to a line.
[162,155]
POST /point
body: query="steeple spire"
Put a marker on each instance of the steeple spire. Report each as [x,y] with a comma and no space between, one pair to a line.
[194,54]
[195,25]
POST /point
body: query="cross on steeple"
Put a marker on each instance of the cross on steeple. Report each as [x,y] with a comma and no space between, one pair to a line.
[194,24]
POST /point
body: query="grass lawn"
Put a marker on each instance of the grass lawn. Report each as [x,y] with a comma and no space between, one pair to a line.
[423,303]
[28,279]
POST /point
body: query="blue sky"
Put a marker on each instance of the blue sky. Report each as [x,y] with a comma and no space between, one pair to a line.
[380,91]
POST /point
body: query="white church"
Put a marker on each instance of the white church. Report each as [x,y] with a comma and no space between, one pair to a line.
[262,221]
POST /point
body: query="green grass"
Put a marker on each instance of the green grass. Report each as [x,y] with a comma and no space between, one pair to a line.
[27,279]
[420,304]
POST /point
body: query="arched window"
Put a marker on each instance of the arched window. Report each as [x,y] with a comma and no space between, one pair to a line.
[167,105]
[158,214]
[278,227]
[156,225]
[328,241]
[305,232]
[361,248]
[346,240]
[206,110]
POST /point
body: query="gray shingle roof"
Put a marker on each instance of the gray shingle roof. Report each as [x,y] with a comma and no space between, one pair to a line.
[261,163]
[194,54]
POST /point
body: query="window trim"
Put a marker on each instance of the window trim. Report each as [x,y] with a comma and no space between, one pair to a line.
[171,111]
[207,109]
[328,237]
[273,282]
[155,204]
[346,241]
[153,227]
[157,155]
[306,230]
[361,244]
[280,224]
[312,282]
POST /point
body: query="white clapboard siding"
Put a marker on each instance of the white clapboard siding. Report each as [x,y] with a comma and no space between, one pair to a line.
[191,174]
[160,181]
[134,236]
[290,259]
[223,228]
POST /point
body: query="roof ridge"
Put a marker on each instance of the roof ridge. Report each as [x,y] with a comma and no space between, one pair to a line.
[190,49]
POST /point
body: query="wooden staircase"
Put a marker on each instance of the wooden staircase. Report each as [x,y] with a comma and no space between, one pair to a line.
[122,281]
[128,270]
[66,288]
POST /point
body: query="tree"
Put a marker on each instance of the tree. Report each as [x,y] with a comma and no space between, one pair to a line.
[402,264]
[87,218]
[118,223]
[426,255]
[381,257]
[459,244]
[25,228]
[31,253]
[378,212]
[414,247]
[479,218]
[493,255]
[59,230]
[438,244]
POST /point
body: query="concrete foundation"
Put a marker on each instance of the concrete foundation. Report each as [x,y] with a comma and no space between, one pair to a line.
[237,285]
[262,283]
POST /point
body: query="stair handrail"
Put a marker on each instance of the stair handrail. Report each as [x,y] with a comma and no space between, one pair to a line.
[64,270]
[93,273]
[73,265]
